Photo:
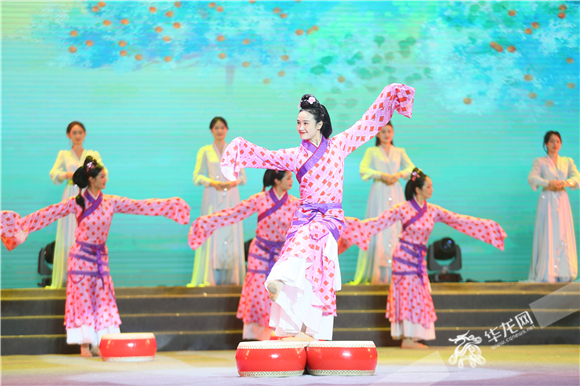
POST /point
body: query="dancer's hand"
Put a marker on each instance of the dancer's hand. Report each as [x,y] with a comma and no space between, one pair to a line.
[394,178]
[69,175]
[385,178]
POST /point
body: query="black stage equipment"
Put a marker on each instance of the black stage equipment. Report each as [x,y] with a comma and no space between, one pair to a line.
[443,250]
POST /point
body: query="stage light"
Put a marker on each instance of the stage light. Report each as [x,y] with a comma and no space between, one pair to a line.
[46,257]
[444,250]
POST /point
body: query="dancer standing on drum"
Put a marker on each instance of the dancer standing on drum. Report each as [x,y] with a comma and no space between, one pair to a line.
[220,260]
[409,305]
[275,209]
[91,308]
[554,256]
[67,162]
[303,282]
[385,165]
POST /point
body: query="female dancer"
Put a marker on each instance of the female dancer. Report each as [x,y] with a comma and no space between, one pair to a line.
[67,162]
[409,305]
[385,164]
[303,282]
[275,210]
[554,257]
[220,260]
[91,309]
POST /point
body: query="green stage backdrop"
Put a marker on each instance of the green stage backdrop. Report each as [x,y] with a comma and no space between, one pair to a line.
[147,77]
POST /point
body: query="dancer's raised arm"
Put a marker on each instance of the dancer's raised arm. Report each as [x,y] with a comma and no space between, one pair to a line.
[394,97]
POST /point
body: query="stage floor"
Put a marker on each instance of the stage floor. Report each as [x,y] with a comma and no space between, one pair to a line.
[552,365]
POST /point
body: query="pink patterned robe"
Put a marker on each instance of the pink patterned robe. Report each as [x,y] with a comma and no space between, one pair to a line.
[308,260]
[90,294]
[409,293]
[274,218]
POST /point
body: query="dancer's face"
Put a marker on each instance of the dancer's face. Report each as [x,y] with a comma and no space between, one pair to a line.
[77,135]
[285,183]
[219,131]
[426,191]
[386,134]
[554,144]
[100,181]
[307,126]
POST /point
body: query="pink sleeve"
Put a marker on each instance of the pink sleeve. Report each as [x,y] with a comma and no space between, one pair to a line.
[204,226]
[353,234]
[485,230]
[385,220]
[241,154]
[173,208]
[393,97]
[15,230]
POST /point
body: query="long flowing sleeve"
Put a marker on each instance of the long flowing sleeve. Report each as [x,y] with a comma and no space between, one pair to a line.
[241,154]
[374,225]
[535,177]
[201,171]
[15,230]
[407,165]
[573,175]
[395,97]
[203,227]
[58,171]
[485,230]
[366,171]
[173,208]
[354,234]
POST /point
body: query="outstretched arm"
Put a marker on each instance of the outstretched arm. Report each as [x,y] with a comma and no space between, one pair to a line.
[393,97]
[173,208]
[15,230]
[385,220]
[485,230]
[354,234]
[241,154]
[204,226]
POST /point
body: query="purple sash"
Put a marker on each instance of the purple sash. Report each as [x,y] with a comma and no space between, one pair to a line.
[272,248]
[303,219]
[94,205]
[420,213]
[418,251]
[96,250]
[318,152]
[277,204]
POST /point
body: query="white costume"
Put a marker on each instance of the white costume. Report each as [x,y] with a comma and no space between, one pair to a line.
[374,264]
[554,256]
[67,161]
[220,260]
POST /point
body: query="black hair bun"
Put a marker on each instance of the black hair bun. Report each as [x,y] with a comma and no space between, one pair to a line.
[309,101]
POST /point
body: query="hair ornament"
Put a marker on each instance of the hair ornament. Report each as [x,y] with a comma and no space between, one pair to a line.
[90,166]
[416,174]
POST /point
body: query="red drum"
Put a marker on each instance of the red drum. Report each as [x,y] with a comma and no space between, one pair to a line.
[271,358]
[342,358]
[134,347]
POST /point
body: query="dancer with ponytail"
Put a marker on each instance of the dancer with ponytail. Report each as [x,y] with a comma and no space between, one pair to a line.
[275,209]
[409,305]
[303,282]
[91,308]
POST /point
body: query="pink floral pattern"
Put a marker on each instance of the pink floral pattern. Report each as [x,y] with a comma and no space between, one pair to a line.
[90,300]
[321,184]
[410,299]
[254,306]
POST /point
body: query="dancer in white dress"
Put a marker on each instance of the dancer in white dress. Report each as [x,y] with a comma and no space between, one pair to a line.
[554,256]
[220,260]
[67,162]
[384,165]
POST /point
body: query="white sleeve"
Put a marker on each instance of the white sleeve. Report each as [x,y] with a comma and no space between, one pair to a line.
[407,165]
[535,177]
[573,175]
[201,171]
[365,170]
[58,171]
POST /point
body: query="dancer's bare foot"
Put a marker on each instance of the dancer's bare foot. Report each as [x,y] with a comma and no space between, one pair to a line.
[300,337]
[410,343]
[85,351]
[274,288]
[95,351]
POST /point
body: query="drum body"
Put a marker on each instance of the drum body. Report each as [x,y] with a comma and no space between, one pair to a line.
[272,358]
[342,358]
[135,347]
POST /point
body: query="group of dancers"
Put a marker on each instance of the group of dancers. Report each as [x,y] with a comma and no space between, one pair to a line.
[293,270]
